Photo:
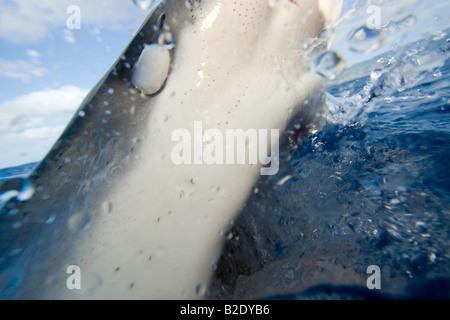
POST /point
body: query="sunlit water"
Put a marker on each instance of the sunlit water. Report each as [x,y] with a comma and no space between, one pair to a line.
[369,187]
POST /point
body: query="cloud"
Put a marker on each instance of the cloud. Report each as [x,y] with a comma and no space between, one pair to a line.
[33,53]
[21,69]
[28,111]
[31,124]
[40,133]
[30,21]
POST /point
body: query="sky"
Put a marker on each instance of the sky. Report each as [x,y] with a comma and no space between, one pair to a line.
[47,67]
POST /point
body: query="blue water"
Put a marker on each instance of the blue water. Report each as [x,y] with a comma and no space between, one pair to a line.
[19,171]
[372,187]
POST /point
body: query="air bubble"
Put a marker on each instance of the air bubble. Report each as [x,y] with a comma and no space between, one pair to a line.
[365,40]
[328,64]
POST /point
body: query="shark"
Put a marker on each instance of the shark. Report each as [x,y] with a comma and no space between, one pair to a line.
[110,197]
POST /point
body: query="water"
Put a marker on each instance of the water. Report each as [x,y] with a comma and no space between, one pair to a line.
[365,40]
[371,187]
[328,64]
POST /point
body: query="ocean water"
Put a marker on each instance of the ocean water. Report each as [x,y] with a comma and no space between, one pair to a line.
[370,187]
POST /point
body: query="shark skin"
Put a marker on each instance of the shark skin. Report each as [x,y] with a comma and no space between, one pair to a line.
[109,197]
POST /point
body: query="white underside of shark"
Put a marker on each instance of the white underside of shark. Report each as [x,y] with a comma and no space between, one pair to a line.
[236,67]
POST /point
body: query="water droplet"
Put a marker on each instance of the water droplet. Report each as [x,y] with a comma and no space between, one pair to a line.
[6,195]
[273,3]
[81,114]
[230,236]
[166,39]
[152,68]
[15,252]
[432,257]
[16,225]
[421,227]
[200,290]
[79,222]
[145,4]
[438,36]
[107,207]
[395,202]
[115,171]
[110,91]
[365,40]
[9,280]
[51,218]
[283,180]
[407,22]
[45,197]
[188,5]
[108,112]
[20,188]
[328,64]
[26,190]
